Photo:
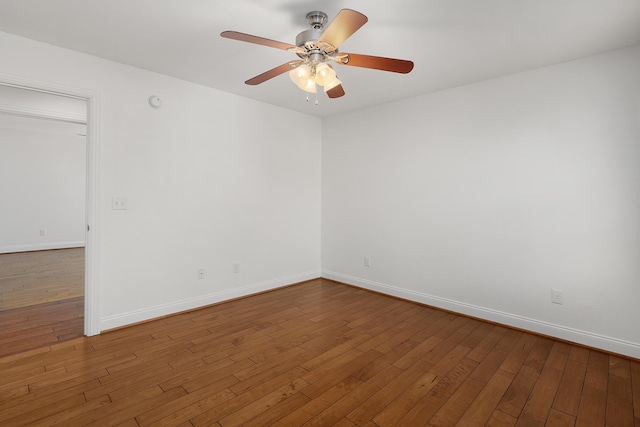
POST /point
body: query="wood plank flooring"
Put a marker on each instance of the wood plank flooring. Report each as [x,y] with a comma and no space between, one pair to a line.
[38,277]
[41,298]
[318,353]
[28,328]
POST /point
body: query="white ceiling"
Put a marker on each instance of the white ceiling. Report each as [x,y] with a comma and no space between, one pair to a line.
[452,42]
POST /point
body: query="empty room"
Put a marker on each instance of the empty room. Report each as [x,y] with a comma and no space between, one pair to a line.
[320,213]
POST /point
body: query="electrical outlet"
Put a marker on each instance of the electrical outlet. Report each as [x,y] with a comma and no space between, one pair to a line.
[367,261]
[200,273]
[43,232]
[557,296]
[236,267]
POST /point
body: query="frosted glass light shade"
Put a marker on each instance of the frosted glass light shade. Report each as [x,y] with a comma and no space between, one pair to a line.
[324,74]
[309,85]
[301,76]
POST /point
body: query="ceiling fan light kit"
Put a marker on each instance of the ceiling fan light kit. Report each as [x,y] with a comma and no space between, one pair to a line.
[316,47]
[308,77]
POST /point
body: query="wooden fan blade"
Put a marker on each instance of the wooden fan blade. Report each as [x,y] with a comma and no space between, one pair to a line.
[378,63]
[342,27]
[335,92]
[274,72]
[243,37]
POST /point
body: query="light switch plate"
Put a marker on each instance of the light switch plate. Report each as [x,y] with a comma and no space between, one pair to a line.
[118,203]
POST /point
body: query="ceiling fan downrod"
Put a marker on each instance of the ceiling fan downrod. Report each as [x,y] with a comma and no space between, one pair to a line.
[317,19]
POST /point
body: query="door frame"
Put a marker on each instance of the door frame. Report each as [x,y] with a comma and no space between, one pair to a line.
[92,202]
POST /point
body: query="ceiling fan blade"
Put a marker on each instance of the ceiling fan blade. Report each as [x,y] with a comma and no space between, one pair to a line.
[243,37]
[274,72]
[377,63]
[342,27]
[335,92]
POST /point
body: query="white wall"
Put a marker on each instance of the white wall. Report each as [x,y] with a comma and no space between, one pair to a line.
[42,187]
[483,198]
[211,179]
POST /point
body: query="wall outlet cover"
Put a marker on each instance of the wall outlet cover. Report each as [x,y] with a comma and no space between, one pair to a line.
[557,296]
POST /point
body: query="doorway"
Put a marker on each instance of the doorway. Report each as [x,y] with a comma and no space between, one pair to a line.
[67,238]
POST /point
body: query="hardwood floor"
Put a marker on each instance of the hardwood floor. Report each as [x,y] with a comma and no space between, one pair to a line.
[38,277]
[41,298]
[318,353]
[41,325]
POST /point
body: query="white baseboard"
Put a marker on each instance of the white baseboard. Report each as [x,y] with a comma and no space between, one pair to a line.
[558,331]
[40,247]
[116,321]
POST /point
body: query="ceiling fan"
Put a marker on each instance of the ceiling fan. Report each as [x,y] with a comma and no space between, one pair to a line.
[316,47]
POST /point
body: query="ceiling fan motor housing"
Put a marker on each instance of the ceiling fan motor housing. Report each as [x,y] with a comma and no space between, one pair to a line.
[311,35]
[314,51]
